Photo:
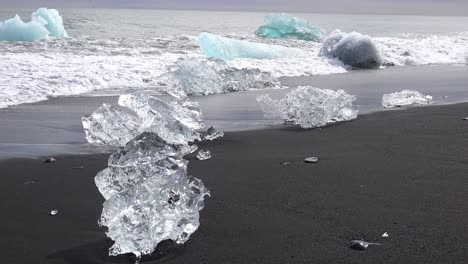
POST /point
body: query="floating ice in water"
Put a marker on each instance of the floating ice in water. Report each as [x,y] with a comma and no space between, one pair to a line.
[203,154]
[53,212]
[214,46]
[50,160]
[203,77]
[385,234]
[286,26]
[353,49]
[149,196]
[311,160]
[310,107]
[361,244]
[213,134]
[405,97]
[174,121]
[44,23]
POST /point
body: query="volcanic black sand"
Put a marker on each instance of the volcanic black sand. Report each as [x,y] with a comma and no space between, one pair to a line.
[400,172]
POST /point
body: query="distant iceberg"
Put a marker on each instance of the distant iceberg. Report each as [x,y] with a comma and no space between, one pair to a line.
[44,23]
[353,49]
[286,26]
[214,46]
[310,107]
[405,97]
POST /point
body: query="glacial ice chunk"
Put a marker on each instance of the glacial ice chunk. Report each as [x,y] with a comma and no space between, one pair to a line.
[203,154]
[44,23]
[310,107]
[203,77]
[353,49]
[214,46]
[213,134]
[286,26]
[174,120]
[149,196]
[405,97]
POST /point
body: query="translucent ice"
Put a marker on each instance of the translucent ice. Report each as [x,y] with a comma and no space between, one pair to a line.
[174,120]
[203,77]
[214,46]
[286,26]
[353,49]
[149,196]
[203,154]
[405,97]
[213,134]
[44,23]
[310,107]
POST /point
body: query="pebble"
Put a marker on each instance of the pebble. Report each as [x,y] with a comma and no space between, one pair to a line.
[311,160]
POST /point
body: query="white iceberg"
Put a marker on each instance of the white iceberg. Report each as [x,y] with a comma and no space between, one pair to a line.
[353,49]
[405,97]
[310,107]
[44,23]
[214,46]
[286,26]
[203,77]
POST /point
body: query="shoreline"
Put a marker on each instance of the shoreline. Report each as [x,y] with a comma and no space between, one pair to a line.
[398,172]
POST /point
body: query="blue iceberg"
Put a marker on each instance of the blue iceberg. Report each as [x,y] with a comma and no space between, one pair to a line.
[44,23]
[214,46]
[286,26]
[353,49]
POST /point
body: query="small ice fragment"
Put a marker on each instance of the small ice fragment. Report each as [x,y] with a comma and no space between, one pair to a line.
[405,97]
[311,160]
[214,46]
[361,244]
[285,163]
[286,26]
[29,182]
[203,154]
[353,49]
[53,212]
[385,234]
[213,134]
[465,118]
[310,107]
[50,160]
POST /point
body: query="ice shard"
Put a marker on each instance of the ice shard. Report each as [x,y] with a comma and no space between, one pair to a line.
[203,77]
[213,134]
[310,107]
[44,23]
[405,97]
[214,46]
[203,154]
[286,26]
[353,49]
[149,196]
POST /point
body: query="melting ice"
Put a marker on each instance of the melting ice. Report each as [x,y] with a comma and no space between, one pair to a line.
[44,23]
[310,107]
[405,97]
[286,26]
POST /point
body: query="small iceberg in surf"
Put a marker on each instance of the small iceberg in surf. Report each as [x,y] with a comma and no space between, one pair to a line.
[405,97]
[214,46]
[310,107]
[44,23]
[286,26]
[353,49]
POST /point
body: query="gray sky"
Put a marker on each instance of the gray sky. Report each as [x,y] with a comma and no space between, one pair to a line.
[407,7]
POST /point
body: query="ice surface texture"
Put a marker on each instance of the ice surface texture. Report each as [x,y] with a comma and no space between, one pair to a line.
[203,77]
[353,49]
[405,97]
[286,26]
[44,23]
[310,107]
[214,46]
[213,134]
[174,120]
[149,196]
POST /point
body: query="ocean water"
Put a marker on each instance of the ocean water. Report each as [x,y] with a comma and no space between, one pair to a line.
[116,49]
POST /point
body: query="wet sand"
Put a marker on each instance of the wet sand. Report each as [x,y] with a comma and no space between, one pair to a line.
[401,172]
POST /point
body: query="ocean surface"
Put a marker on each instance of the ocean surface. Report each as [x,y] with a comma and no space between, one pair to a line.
[114,50]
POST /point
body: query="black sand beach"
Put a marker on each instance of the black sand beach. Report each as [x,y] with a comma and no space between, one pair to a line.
[401,172]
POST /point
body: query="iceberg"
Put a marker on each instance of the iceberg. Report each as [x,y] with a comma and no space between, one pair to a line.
[44,23]
[353,49]
[310,107]
[203,77]
[405,97]
[286,26]
[174,120]
[149,196]
[214,46]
